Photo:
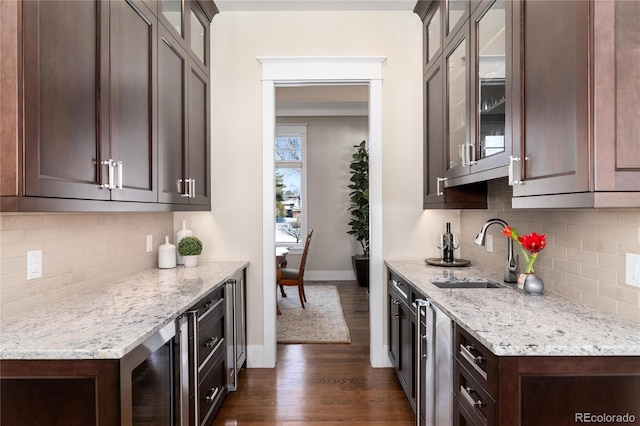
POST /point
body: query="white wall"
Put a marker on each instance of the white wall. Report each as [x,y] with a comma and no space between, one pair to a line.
[233,228]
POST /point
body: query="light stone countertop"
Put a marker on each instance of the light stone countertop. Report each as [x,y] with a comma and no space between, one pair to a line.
[511,323]
[110,322]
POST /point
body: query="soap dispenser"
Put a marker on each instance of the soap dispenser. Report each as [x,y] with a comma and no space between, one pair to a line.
[166,255]
[180,234]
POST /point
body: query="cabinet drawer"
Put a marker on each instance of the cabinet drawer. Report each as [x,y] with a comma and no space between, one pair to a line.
[400,288]
[477,359]
[461,417]
[210,331]
[208,301]
[212,388]
[472,398]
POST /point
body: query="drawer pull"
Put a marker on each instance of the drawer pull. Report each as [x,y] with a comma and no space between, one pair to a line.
[212,342]
[466,393]
[213,392]
[465,351]
[397,285]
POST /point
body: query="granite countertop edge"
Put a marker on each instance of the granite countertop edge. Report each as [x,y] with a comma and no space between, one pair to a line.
[109,322]
[510,323]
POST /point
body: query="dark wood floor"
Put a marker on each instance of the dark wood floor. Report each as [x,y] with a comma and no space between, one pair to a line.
[322,383]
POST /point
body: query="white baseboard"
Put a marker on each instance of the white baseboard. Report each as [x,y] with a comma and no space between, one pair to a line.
[329,276]
[255,357]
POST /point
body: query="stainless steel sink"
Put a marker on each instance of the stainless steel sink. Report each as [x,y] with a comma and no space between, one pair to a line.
[466,284]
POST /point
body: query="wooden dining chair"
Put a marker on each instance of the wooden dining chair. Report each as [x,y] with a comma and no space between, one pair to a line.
[295,277]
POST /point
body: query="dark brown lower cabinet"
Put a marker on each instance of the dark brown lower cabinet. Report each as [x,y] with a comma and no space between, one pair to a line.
[542,390]
[59,393]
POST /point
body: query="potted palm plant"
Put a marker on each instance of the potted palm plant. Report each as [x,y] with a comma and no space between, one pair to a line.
[190,248]
[359,209]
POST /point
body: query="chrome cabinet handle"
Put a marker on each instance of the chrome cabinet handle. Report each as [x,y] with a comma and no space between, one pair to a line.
[439,191]
[472,154]
[192,188]
[110,165]
[466,393]
[119,165]
[111,178]
[465,351]
[512,172]
[212,342]
[213,392]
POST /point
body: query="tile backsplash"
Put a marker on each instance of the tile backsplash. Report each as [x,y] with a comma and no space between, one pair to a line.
[80,251]
[585,254]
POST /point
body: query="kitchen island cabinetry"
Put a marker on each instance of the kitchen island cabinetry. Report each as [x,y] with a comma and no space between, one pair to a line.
[513,353]
[152,347]
[80,131]
[579,134]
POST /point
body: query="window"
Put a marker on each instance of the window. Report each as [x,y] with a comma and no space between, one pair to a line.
[290,184]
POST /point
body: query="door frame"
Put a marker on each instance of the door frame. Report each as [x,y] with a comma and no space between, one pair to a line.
[337,70]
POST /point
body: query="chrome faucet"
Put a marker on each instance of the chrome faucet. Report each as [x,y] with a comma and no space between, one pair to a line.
[511,269]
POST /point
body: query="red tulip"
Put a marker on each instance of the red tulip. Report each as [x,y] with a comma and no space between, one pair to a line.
[533,242]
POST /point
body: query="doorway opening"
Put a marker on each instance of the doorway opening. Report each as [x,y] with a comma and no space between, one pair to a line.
[323,70]
[317,128]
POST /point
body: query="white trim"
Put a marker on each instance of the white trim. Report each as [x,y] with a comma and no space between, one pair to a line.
[367,70]
[268,352]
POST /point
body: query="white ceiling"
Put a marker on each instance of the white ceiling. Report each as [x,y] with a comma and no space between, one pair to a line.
[314,5]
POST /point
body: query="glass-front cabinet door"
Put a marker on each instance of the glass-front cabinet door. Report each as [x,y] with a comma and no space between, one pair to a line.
[490,144]
[490,81]
[456,14]
[432,35]
[456,107]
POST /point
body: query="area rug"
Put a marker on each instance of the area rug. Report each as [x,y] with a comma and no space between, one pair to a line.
[321,321]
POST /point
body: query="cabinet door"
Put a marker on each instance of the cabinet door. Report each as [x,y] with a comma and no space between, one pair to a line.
[172,89]
[555,128]
[133,99]
[434,192]
[457,106]
[407,353]
[491,32]
[66,62]
[393,329]
[433,34]
[616,96]
[198,136]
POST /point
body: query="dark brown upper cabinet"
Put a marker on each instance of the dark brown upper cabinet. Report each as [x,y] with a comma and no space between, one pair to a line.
[446,92]
[89,73]
[87,118]
[183,120]
[579,132]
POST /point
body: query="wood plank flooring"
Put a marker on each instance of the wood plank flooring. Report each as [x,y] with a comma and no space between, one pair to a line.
[322,384]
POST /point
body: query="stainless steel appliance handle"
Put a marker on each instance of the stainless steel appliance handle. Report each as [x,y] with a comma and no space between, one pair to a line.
[420,306]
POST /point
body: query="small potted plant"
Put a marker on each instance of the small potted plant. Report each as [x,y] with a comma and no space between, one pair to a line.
[190,248]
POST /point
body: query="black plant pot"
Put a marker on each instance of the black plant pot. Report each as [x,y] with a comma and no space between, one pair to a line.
[361,269]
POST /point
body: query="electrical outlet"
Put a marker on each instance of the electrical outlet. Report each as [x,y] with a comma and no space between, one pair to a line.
[34,264]
[149,243]
[632,276]
[488,242]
